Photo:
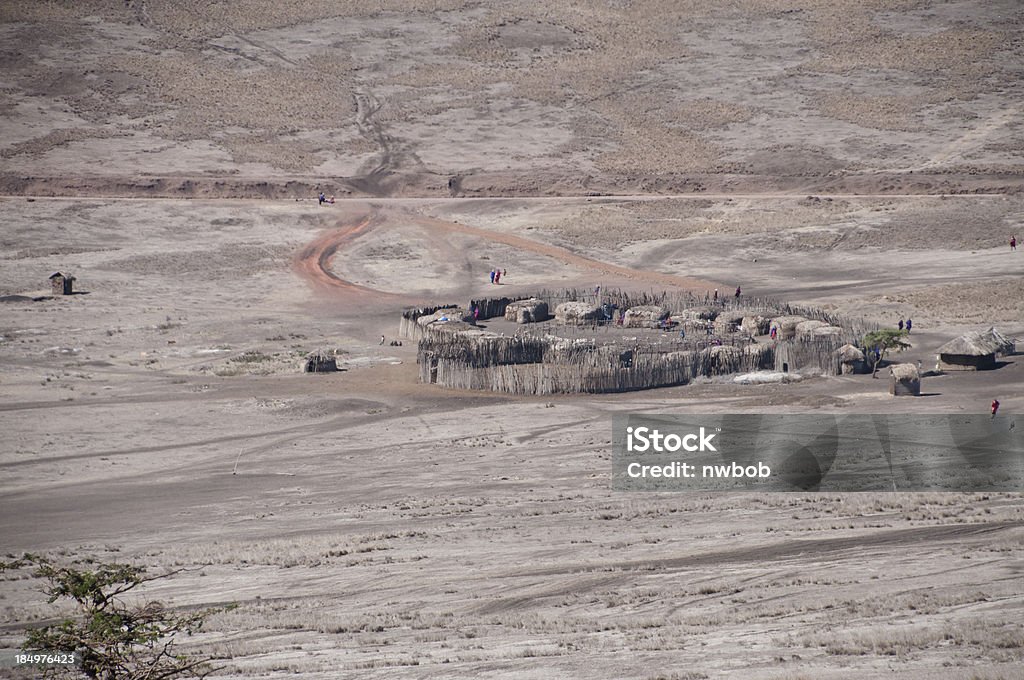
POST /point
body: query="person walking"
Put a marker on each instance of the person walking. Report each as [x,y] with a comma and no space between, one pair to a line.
[738,291]
[321,198]
[382,340]
[995,407]
[1013,243]
[715,298]
[901,324]
[492,276]
[910,324]
[497,276]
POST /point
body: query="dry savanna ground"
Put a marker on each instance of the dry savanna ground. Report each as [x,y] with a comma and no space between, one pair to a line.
[861,157]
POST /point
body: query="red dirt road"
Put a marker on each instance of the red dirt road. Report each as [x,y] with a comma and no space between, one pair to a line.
[313,262]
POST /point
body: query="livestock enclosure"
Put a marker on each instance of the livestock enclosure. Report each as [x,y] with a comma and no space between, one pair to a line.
[465,349]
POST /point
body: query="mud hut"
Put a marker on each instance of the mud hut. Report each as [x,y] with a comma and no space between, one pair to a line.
[577,312]
[755,325]
[728,322]
[700,313]
[62,284]
[320,361]
[644,316]
[785,326]
[851,360]
[905,381]
[527,311]
[806,329]
[970,352]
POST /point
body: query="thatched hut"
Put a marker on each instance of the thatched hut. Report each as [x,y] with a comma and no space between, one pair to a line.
[644,316]
[755,325]
[970,352]
[577,312]
[700,313]
[62,284]
[785,326]
[905,381]
[851,360]
[320,361]
[527,311]
[728,322]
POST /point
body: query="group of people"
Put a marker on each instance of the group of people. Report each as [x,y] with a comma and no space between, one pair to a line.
[496,275]
[906,325]
[324,199]
[737,294]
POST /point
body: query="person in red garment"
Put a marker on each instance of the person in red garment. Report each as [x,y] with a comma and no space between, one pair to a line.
[995,407]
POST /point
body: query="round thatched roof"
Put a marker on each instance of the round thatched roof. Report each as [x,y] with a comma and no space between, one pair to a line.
[700,313]
[905,372]
[790,322]
[806,327]
[849,353]
[976,344]
[826,331]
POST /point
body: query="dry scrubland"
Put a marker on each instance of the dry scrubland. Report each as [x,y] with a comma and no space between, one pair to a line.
[380,528]
[371,527]
[397,97]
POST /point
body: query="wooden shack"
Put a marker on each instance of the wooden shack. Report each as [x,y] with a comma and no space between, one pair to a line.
[320,361]
[62,284]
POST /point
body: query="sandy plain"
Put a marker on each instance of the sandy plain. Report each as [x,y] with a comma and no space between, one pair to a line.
[861,158]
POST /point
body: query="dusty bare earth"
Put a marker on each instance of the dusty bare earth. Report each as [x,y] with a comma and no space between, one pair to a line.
[863,157]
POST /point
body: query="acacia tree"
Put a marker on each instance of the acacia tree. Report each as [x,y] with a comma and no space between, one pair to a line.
[885,340]
[112,638]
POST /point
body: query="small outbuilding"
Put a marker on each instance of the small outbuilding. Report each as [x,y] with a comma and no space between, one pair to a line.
[577,312]
[970,352]
[320,361]
[62,284]
[527,311]
[851,360]
[644,316]
[905,381]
